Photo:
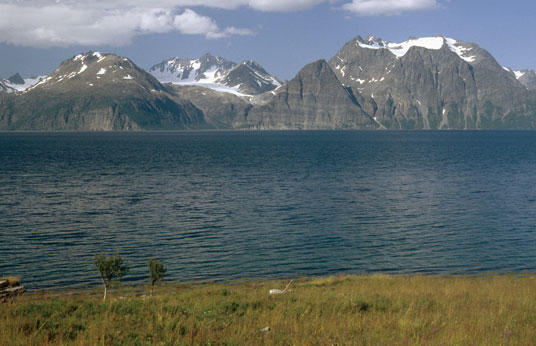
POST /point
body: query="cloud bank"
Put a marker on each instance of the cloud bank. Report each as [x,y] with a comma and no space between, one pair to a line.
[64,25]
[61,23]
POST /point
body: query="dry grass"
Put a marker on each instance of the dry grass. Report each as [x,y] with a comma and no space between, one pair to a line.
[348,310]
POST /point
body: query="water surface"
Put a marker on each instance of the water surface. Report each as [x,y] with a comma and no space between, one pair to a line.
[228,205]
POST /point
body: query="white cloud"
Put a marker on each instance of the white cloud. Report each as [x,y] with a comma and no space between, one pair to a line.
[48,23]
[65,24]
[192,23]
[388,7]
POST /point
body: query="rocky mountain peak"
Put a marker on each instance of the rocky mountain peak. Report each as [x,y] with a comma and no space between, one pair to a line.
[250,78]
[16,79]
[209,61]
[371,40]
[428,82]
[255,66]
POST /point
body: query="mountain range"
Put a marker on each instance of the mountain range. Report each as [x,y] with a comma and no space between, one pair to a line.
[422,83]
[244,79]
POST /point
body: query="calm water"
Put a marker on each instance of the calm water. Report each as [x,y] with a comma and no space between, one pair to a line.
[227,205]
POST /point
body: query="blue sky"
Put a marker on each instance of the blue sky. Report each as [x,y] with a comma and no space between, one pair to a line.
[282,35]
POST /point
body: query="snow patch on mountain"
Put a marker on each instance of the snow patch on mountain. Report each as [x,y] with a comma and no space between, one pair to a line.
[42,81]
[100,56]
[432,43]
[460,49]
[401,49]
[519,74]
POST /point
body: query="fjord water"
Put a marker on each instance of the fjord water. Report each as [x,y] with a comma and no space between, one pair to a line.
[230,205]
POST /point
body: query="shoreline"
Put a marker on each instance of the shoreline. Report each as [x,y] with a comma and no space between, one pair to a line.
[133,286]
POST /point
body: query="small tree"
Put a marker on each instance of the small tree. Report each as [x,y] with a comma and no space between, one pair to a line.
[109,268]
[157,270]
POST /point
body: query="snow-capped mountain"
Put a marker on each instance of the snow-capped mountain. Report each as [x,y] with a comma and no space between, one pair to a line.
[431,82]
[245,79]
[95,69]
[95,91]
[421,83]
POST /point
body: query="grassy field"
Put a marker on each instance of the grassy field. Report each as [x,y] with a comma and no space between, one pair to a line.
[346,310]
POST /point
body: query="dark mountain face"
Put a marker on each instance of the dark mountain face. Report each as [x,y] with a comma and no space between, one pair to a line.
[250,78]
[98,92]
[314,99]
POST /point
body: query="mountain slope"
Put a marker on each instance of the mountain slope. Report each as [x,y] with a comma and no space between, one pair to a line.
[97,91]
[314,99]
[247,78]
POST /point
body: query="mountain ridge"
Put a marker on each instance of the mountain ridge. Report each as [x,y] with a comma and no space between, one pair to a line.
[422,83]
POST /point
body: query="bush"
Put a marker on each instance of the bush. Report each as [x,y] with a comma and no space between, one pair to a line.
[157,270]
[109,268]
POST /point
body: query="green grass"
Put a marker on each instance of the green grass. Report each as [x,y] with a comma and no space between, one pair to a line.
[347,310]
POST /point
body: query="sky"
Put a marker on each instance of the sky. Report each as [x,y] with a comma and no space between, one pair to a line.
[281,35]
